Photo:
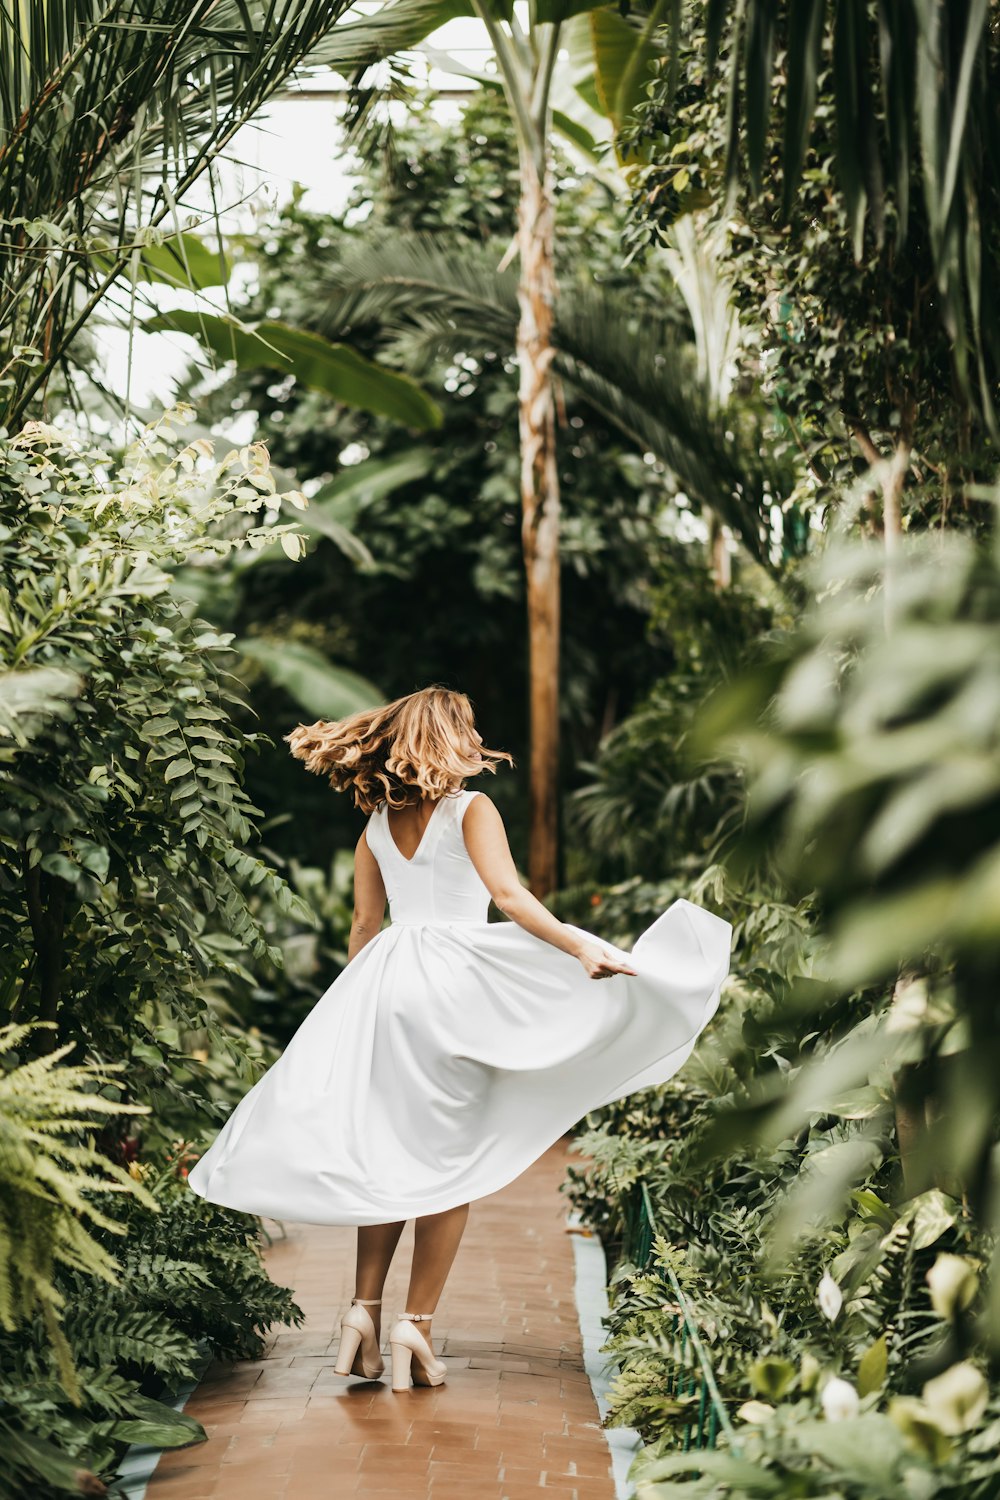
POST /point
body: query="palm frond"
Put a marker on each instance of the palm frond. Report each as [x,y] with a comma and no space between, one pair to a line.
[912,82]
[639,374]
[110,110]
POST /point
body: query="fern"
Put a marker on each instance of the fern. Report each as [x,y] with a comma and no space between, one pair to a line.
[48,1178]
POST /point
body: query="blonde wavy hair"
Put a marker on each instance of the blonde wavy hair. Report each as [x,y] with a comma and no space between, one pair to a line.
[423,745]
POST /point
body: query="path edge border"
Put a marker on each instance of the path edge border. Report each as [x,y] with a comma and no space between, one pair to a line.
[591,1295]
[138,1462]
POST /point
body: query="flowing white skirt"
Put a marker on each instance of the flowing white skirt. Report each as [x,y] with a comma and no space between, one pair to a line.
[445,1059]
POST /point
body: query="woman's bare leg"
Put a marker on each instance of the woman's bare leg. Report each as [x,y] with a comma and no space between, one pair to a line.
[376,1246]
[436,1238]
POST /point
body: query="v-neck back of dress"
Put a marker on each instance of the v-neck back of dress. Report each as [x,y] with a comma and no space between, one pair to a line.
[438,883]
[420,841]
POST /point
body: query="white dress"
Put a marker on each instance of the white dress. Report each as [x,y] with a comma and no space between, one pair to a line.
[452,1052]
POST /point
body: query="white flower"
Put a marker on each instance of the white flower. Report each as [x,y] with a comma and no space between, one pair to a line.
[953,1281]
[839,1400]
[957,1399]
[830,1297]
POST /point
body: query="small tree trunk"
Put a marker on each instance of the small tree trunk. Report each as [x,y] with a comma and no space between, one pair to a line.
[540,513]
[720,563]
[895,477]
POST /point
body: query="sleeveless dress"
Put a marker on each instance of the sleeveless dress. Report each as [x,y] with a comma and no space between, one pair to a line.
[452,1052]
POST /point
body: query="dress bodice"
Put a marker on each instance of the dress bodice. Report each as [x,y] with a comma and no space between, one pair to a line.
[440,883]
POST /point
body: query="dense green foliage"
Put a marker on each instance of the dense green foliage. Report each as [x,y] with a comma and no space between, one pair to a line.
[128,894]
[823,1173]
[144,1297]
[781,692]
[125,826]
[845,333]
[110,111]
[438,517]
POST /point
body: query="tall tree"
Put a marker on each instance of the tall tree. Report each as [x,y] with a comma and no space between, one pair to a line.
[526,58]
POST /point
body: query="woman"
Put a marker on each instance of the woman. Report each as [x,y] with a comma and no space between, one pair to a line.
[451,1052]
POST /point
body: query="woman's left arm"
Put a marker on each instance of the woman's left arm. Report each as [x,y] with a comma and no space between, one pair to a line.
[369,899]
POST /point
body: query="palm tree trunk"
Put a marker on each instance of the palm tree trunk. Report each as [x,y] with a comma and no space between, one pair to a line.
[540,511]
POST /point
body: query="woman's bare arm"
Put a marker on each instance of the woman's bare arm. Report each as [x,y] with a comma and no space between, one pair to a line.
[369,899]
[486,841]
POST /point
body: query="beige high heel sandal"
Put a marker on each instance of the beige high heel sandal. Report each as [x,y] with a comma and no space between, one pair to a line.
[359,1352]
[404,1342]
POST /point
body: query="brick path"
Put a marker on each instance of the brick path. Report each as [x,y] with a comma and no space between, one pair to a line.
[516,1416]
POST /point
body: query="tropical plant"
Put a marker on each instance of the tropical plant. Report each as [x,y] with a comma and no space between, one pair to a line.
[110,112]
[434,554]
[850,1330]
[634,367]
[872,757]
[842,333]
[910,87]
[128,895]
[125,823]
[339,372]
[526,53]
[188,1284]
[49,1177]
[650,807]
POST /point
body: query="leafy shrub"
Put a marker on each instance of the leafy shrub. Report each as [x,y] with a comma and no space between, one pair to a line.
[124,875]
[127,896]
[189,1281]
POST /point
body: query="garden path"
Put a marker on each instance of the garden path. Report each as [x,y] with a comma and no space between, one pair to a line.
[516,1416]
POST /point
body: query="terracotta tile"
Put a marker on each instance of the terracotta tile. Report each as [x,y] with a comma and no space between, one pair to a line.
[548,1492]
[516,1402]
[465,1473]
[449,1491]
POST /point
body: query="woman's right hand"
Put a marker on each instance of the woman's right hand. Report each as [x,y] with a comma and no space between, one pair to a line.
[600,964]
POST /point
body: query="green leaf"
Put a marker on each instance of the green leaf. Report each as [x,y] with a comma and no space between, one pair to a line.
[873,1367]
[761,17]
[172,1431]
[315,683]
[623,56]
[183,260]
[575,132]
[395,27]
[93,857]
[715,14]
[933,1213]
[147,1053]
[805,36]
[336,369]
[857,133]
[58,864]
[41,1458]
[871,935]
[177,768]
[912,1418]
[342,500]
[772,1377]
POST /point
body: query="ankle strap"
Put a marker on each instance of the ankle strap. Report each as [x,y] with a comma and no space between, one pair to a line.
[367,1301]
[417,1317]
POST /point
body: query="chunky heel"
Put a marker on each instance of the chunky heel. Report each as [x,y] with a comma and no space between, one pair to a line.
[359,1352]
[405,1342]
[401,1356]
[350,1343]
